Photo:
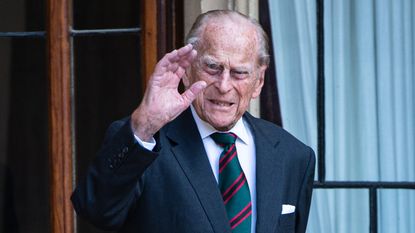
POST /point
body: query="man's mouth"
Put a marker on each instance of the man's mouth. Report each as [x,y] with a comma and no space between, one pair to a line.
[222,103]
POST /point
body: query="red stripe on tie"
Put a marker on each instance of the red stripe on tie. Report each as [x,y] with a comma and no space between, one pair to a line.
[227,153]
[227,162]
[240,221]
[234,183]
[235,191]
[241,216]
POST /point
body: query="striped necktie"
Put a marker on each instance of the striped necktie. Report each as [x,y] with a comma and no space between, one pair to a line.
[233,184]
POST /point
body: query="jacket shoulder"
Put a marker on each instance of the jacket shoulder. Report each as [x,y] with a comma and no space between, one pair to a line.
[275,132]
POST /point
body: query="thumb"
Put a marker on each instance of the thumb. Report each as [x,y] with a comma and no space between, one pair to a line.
[190,94]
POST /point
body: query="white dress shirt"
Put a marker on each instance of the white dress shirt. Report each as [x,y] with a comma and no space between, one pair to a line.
[245,147]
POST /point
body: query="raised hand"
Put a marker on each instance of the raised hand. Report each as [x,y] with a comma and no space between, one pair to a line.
[162,102]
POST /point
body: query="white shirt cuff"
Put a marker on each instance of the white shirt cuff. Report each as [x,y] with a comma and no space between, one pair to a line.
[148,145]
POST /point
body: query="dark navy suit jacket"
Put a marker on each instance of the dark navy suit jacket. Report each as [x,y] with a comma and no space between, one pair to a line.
[172,188]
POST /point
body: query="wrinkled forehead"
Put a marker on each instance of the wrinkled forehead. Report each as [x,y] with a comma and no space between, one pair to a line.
[230,39]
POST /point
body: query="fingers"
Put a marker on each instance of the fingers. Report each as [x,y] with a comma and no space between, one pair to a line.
[182,52]
[175,59]
[185,50]
[181,57]
[180,72]
[190,94]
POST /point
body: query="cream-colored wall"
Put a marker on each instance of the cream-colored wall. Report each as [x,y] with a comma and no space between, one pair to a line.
[192,8]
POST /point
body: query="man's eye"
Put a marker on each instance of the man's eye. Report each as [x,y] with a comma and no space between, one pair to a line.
[213,66]
[212,69]
[240,74]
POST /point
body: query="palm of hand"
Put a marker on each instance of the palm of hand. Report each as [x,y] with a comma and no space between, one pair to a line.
[162,102]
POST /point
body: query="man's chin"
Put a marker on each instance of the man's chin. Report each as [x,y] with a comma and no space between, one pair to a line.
[222,126]
[219,120]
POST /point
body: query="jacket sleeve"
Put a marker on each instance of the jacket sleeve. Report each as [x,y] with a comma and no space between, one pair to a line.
[304,200]
[112,183]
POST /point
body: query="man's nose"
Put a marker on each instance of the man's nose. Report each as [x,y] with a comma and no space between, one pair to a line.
[224,83]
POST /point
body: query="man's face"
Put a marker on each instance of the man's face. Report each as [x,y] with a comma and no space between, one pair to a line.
[227,62]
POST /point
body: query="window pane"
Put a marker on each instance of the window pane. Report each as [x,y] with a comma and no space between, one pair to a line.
[24,167]
[95,14]
[108,87]
[339,210]
[396,211]
[22,15]
[369,90]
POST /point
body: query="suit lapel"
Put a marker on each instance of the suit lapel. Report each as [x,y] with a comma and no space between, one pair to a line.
[191,155]
[268,177]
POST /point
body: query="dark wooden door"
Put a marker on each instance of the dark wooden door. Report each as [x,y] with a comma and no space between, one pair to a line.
[67,69]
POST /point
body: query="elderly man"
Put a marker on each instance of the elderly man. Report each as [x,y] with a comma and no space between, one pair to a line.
[197,161]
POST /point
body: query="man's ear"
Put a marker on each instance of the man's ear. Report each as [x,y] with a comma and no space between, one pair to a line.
[259,83]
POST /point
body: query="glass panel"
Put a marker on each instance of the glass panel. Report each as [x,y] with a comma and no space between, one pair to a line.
[339,210]
[22,15]
[24,167]
[396,211]
[108,87]
[94,14]
[370,89]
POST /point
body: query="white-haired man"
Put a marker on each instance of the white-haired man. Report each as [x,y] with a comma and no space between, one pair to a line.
[197,161]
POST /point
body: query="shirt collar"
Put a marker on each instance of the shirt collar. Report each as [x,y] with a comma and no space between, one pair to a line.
[205,129]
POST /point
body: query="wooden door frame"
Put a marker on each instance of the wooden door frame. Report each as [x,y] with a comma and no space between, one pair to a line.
[160,33]
[61,133]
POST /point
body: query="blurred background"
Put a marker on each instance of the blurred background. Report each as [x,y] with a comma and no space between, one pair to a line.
[341,78]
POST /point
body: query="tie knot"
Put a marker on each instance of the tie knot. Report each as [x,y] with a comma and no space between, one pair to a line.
[224,139]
